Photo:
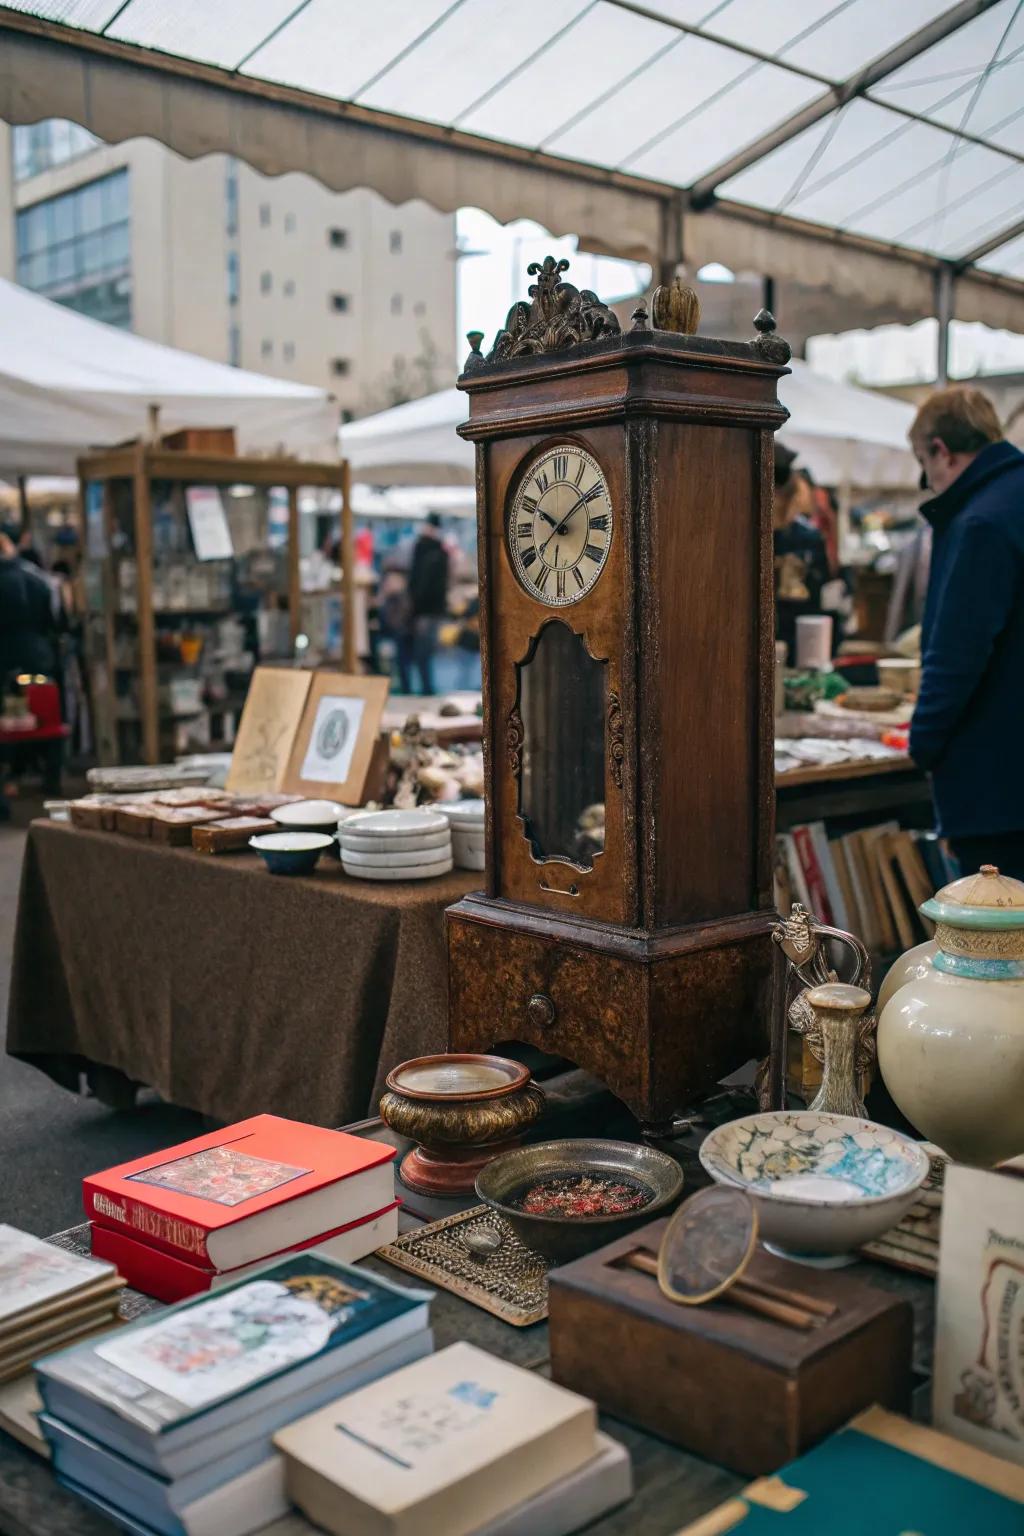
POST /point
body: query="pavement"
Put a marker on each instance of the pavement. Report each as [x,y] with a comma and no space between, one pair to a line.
[50,1138]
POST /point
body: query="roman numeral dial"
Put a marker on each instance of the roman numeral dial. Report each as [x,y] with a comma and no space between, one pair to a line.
[559,527]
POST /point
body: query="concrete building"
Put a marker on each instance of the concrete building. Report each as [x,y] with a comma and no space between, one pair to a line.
[278,275]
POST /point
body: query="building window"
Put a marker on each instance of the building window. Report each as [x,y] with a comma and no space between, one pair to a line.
[266,282]
[341,367]
[266,350]
[231,196]
[288,352]
[340,303]
[234,345]
[40,146]
[289,223]
[395,241]
[289,288]
[419,308]
[76,248]
[265,215]
[338,238]
[232,271]
[396,303]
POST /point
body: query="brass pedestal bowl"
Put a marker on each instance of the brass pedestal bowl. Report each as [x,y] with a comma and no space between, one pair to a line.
[580,1164]
[462,1111]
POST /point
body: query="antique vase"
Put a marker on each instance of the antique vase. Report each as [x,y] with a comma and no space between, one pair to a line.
[951,1039]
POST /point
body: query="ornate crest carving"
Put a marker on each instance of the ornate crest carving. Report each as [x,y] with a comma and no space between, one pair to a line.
[558,316]
[514,737]
[676,308]
[767,343]
[616,743]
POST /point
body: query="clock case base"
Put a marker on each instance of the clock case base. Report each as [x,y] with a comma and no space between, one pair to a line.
[659,1018]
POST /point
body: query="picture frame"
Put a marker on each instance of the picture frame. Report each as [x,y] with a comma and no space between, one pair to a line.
[334,748]
[266,732]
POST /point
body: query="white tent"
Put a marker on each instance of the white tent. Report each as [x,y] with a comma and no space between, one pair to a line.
[842,434]
[69,384]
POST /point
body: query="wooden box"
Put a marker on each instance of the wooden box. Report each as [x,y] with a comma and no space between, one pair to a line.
[724,1383]
[219,440]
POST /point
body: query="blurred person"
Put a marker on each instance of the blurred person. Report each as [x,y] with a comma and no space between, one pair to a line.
[968,726]
[27,549]
[428,597]
[28,622]
[801,561]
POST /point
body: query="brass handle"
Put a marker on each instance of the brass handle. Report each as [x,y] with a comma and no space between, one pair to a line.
[541,1010]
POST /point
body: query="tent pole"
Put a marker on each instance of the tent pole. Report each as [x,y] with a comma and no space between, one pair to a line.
[670,256]
[294,580]
[149,702]
[944,285]
[348,571]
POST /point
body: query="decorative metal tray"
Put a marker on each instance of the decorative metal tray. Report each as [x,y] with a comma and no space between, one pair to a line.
[511,1283]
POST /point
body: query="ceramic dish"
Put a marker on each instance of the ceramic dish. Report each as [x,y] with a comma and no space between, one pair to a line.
[394,823]
[290,853]
[309,816]
[823,1184]
[416,841]
[465,811]
[565,1237]
[468,849]
[397,872]
[406,859]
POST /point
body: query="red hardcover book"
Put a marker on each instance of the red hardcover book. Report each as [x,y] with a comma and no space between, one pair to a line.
[806,852]
[158,1273]
[233,1197]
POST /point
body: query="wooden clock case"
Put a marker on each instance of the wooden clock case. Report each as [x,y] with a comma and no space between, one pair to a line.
[647,969]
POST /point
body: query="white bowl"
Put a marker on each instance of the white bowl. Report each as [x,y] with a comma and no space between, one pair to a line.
[823,1184]
[468,812]
[394,823]
[400,872]
[416,841]
[468,849]
[309,815]
[403,859]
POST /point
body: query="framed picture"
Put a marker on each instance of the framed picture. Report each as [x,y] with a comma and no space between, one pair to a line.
[333,749]
[263,746]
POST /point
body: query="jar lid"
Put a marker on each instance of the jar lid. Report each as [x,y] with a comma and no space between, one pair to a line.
[983,900]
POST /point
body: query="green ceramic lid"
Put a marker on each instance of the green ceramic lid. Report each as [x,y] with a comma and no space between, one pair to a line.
[985,900]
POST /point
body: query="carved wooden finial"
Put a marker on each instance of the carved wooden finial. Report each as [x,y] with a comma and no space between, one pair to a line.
[475,358]
[768,343]
[640,317]
[558,316]
[675,307]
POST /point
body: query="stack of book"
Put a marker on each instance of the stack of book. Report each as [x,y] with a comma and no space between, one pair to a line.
[166,1425]
[205,1213]
[869,882]
[460,1444]
[48,1298]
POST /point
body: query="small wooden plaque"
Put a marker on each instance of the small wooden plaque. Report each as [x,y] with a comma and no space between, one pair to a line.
[333,749]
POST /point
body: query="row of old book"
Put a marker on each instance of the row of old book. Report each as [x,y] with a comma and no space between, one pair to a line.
[869,882]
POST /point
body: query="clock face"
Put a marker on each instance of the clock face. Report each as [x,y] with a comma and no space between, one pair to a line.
[560,526]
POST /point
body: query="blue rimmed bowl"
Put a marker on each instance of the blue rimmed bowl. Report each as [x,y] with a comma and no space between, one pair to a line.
[823,1184]
[291,853]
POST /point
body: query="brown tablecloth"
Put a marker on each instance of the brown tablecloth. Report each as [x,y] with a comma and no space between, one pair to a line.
[231,991]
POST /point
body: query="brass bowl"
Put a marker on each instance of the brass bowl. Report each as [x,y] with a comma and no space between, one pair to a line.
[462,1110]
[562,1238]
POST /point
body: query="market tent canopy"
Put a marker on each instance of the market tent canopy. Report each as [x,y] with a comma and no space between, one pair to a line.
[878,146]
[69,384]
[842,434]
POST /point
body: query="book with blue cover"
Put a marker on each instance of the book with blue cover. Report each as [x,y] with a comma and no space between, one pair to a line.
[177,1391]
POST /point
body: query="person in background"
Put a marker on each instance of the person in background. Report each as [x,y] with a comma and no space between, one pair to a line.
[801,562]
[968,726]
[28,623]
[428,597]
[27,549]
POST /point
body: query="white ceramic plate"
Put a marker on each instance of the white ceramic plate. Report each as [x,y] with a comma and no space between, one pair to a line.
[290,842]
[395,823]
[308,813]
[416,842]
[459,812]
[403,872]
[402,860]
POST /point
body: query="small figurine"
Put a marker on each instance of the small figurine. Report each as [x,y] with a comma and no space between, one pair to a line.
[676,308]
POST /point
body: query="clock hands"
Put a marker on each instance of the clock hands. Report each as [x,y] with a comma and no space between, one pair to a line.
[595,490]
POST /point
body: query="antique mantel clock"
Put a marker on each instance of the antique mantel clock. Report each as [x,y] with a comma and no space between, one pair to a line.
[624,490]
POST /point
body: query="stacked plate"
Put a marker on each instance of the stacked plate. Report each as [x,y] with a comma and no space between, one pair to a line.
[466,819]
[395,845]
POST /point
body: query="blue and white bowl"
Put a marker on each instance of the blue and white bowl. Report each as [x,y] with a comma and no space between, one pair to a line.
[291,853]
[823,1184]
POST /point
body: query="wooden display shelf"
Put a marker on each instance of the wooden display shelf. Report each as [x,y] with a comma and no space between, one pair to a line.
[834,773]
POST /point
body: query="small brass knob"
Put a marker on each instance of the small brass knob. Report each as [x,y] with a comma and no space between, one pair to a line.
[541,1010]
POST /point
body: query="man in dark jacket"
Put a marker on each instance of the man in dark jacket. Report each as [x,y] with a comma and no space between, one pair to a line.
[28,627]
[968,727]
[428,597]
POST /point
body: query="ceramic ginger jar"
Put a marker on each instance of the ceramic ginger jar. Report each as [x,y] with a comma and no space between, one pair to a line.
[951,1039]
